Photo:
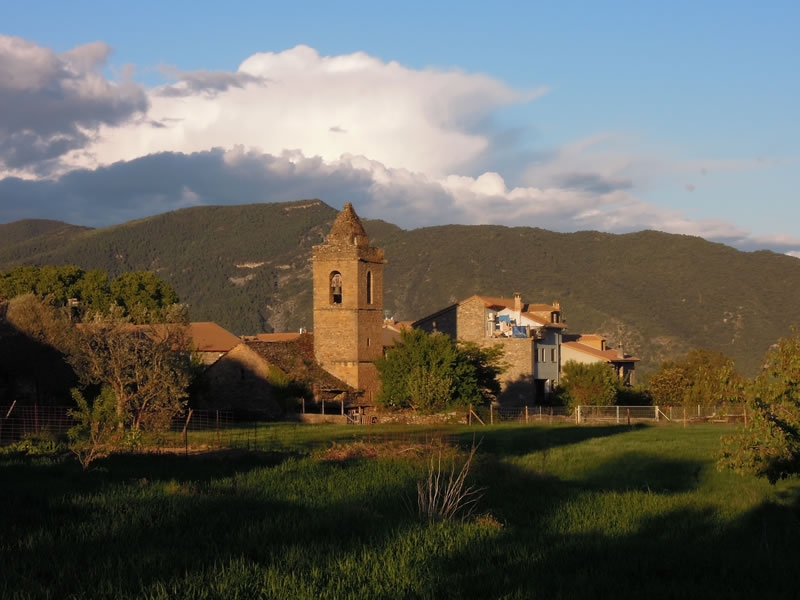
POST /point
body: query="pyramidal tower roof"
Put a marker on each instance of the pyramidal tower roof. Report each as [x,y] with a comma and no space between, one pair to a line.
[347,229]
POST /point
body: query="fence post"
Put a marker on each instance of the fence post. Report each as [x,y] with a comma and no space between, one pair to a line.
[629,416]
[491,414]
[670,413]
[526,414]
[578,415]
[469,415]
[219,442]
[618,415]
[186,431]
[745,416]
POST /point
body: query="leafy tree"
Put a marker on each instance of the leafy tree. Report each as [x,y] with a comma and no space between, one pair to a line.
[95,434]
[143,295]
[770,445]
[702,377]
[668,385]
[588,384]
[19,281]
[94,292]
[148,368]
[59,284]
[431,372]
[40,320]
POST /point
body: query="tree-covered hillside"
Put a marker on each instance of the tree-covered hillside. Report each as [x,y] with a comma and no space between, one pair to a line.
[247,267]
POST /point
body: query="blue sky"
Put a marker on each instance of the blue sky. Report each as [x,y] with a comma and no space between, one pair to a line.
[615,116]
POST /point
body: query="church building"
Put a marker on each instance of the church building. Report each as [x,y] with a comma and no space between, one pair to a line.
[348,304]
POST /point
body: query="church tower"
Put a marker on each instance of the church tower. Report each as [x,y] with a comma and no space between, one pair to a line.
[348,304]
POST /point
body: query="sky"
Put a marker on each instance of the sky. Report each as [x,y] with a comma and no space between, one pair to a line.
[679,116]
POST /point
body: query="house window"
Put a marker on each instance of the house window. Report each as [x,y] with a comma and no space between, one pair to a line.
[543,354]
[552,355]
[369,287]
[336,288]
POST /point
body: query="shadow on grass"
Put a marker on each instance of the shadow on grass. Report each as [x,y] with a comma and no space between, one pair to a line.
[172,519]
[645,472]
[566,539]
[520,440]
[685,553]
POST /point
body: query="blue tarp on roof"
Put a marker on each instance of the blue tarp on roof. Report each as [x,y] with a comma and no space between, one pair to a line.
[519,331]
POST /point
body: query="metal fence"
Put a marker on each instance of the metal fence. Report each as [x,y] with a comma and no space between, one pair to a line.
[252,429]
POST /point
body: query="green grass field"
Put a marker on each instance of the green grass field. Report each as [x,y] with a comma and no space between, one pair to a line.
[330,512]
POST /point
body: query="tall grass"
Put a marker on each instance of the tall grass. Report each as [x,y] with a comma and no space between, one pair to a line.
[567,512]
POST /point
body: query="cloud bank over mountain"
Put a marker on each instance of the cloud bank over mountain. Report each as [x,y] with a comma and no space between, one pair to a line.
[416,147]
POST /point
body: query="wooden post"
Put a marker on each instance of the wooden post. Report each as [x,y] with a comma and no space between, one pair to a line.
[577,415]
[684,416]
[185,432]
[745,416]
[551,415]
[618,414]
[629,416]
[303,404]
[491,414]
[469,415]
[526,414]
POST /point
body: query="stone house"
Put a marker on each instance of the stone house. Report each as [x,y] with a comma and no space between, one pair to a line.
[530,335]
[587,349]
[268,374]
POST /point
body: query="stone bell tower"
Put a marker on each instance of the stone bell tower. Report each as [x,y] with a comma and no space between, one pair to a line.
[348,304]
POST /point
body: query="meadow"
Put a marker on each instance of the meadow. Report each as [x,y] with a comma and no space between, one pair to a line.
[330,511]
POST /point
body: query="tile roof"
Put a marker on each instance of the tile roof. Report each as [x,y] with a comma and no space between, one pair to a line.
[611,355]
[296,359]
[272,337]
[209,337]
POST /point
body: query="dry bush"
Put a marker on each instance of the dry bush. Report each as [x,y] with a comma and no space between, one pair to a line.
[445,495]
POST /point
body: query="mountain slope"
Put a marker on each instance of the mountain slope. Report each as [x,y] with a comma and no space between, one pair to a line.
[247,267]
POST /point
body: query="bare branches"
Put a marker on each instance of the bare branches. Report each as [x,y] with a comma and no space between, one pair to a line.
[446,496]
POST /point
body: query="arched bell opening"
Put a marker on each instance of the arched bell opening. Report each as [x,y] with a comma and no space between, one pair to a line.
[336,288]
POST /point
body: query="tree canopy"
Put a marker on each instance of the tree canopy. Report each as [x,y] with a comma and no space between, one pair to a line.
[770,445]
[702,376]
[592,384]
[142,295]
[431,372]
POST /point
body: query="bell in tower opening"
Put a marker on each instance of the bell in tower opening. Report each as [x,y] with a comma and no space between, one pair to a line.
[336,288]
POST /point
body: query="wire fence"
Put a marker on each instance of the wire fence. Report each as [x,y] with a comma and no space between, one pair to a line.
[254,430]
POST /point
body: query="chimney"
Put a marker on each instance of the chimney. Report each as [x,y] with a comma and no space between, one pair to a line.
[620,351]
[517,302]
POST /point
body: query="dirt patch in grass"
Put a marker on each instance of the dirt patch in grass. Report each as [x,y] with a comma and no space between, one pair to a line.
[360,450]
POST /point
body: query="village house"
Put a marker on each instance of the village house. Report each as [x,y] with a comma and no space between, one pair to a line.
[530,335]
[589,349]
[269,374]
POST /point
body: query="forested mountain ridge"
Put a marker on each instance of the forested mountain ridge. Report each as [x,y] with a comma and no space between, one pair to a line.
[247,267]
